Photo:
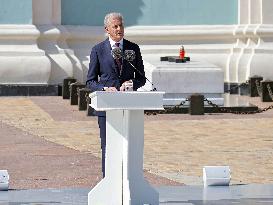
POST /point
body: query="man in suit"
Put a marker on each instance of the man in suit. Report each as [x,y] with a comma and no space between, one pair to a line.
[108,74]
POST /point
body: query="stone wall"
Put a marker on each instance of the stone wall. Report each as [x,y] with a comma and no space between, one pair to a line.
[47,51]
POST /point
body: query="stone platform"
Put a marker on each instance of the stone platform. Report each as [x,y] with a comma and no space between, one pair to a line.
[168,195]
[180,80]
[47,143]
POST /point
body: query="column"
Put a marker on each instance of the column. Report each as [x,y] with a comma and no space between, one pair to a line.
[261,62]
[47,18]
[253,53]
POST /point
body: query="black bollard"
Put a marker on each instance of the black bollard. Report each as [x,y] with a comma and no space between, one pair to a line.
[60,90]
[65,89]
[197,105]
[90,110]
[267,89]
[82,98]
[253,89]
[74,92]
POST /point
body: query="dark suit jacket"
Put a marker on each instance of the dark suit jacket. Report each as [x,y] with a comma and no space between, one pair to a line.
[104,72]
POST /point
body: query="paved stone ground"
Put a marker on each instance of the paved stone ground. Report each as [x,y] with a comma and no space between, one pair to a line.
[42,145]
[45,142]
[168,195]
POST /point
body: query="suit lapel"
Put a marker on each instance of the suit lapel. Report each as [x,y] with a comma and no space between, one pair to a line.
[107,51]
[125,47]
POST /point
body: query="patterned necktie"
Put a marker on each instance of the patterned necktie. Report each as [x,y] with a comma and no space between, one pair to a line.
[118,61]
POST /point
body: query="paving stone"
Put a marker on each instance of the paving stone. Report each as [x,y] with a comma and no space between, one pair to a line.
[177,146]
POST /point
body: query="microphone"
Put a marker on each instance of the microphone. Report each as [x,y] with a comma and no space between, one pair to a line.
[116,53]
[130,55]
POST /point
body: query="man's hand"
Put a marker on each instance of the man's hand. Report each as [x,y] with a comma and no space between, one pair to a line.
[110,89]
[122,88]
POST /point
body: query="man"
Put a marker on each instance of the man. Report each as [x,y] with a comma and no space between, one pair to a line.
[108,74]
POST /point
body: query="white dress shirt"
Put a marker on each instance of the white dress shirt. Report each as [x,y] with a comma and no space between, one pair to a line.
[113,43]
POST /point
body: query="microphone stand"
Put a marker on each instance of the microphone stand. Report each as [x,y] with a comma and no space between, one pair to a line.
[154,89]
[117,54]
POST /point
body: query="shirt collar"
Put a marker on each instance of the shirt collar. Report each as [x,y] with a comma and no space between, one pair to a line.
[112,43]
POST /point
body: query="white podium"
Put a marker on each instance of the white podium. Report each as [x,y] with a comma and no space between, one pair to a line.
[124,183]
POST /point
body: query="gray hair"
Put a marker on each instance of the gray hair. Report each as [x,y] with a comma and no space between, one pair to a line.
[111,16]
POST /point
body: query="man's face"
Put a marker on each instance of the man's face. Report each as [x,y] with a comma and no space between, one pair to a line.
[115,29]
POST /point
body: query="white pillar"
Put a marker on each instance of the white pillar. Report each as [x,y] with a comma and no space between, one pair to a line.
[241,44]
[53,38]
[56,11]
[267,13]
[256,11]
[42,11]
[261,62]
[253,53]
[244,11]
[46,12]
